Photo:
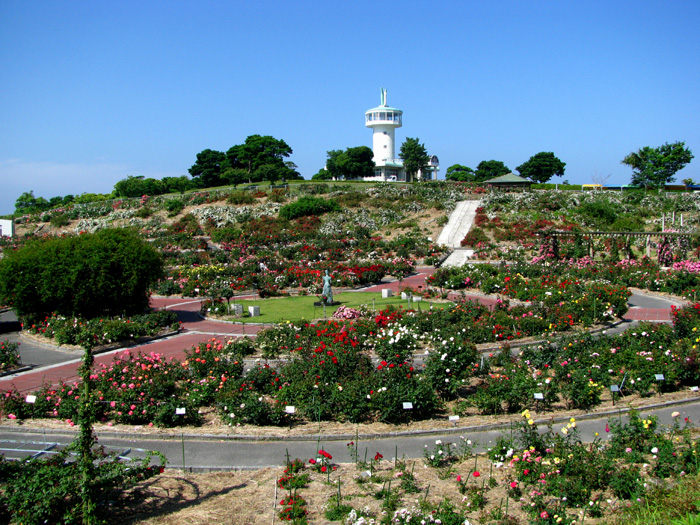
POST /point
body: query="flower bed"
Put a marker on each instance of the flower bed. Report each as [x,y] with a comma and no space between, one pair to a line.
[531,280]
[9,356]
[75,331]
[364,370]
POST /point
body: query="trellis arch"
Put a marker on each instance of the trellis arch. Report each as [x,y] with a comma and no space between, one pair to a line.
[551,240]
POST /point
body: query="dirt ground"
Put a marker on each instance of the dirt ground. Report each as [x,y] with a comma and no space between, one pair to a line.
[252,497]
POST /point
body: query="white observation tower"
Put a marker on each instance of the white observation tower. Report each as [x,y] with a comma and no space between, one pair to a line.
[384,120]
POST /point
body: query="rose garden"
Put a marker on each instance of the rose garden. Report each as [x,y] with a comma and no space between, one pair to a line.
[523,335]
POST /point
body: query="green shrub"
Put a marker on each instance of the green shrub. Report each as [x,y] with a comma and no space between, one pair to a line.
[278,195]
[241,197]
[174,206]
[100,274]
[144,212]
[686,319]
[351,199]
[44,490]
[599,213]
[73,330]
[306,206]
[626,483]
[166,414]
[228,234]
[9,357]
[249,408]
[58,220]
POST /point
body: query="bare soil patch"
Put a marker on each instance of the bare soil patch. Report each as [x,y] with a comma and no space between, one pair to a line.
[252,497]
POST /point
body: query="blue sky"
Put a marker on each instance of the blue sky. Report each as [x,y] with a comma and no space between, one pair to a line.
[91,92]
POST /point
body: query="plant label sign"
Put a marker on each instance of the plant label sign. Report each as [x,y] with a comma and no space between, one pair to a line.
[539,396]
[290,409]
[407,405]
[180,411]
[659,377]
[614,388]
[694,388]
[453,418]
[31,399]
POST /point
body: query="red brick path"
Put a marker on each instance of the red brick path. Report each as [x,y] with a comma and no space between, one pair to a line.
[197,330]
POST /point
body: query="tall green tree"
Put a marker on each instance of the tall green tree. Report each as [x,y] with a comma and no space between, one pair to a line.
[256,151]
[333,163]
[269,173]
[28,203]
[138,186]
[292,172]
[415,157]
[353,163]
[655,167]
[541,167]
[357,163]
[235,176]
[323,174]
[208,168]
[178,184]
[457,172]
[91,275]
[490,169]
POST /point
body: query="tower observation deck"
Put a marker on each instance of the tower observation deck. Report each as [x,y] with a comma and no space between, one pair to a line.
[387,167]
[384,120]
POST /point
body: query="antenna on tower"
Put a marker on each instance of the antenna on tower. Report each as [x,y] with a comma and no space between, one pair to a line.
[383,96]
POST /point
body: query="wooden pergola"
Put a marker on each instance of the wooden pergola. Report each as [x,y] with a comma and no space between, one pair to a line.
[628,236]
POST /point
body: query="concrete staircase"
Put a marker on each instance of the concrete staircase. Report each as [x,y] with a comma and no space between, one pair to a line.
[457,227]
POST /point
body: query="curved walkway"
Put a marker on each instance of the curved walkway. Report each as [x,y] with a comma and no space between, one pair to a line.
[228,452]
[53,365]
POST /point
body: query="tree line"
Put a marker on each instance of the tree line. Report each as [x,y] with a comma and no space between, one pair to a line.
[651,167]
[539,168]
[259,158]
[357,163]
[262,158]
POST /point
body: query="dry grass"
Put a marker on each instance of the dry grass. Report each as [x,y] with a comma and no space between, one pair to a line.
[176,498]
[249,497]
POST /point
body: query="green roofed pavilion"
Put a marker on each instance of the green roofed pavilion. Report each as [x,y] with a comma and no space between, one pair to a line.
[510,181]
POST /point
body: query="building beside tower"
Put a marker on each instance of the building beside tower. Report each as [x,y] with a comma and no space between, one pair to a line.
[384,120]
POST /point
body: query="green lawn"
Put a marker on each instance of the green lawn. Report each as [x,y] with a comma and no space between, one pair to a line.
[300,308]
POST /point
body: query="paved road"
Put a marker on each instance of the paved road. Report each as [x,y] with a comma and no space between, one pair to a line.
[212,453]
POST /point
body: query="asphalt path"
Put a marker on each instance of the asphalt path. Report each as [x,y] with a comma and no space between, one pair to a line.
[206,453]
